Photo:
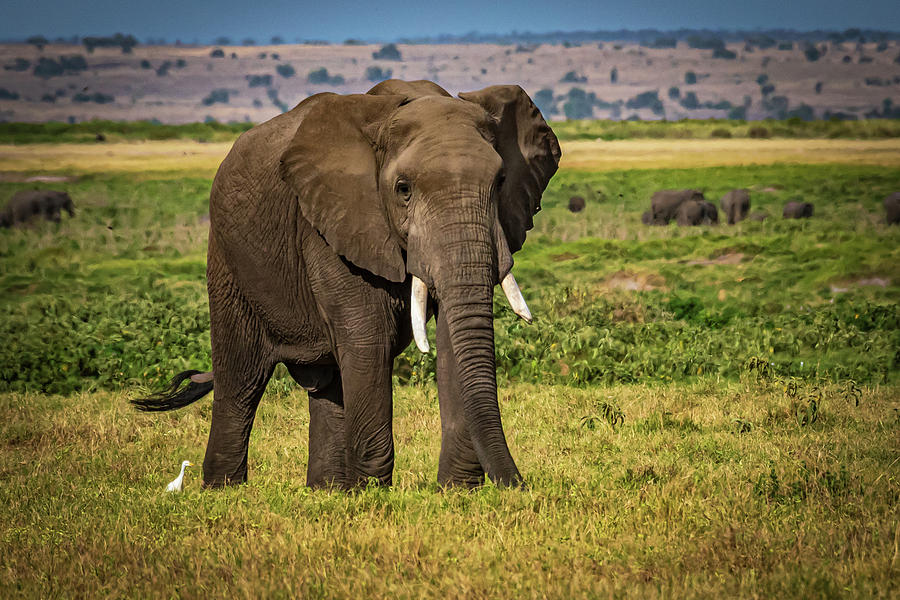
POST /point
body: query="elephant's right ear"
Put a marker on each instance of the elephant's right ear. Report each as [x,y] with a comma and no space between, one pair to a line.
[330,164]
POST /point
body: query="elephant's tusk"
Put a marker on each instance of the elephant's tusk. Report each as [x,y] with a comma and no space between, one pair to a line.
[514,296]
[418,314]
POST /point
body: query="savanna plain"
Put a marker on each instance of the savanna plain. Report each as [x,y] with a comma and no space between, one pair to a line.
[698,412]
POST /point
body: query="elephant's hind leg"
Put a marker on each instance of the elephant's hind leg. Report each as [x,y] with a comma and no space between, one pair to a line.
[242,362]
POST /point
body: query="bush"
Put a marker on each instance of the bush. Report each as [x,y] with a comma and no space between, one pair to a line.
[614,75]
[38,41]
[545,102]
[767,89]
[48,98]
[20,64]
[259,80]
[5,94]
[180,63]
[145,64]
[573,77]
[690,78]
[47,67]
[163,69]
[819,85]
[720,132]
[387,52]
[759,132]
[647,100]
[762,79]
[376,74]
[217,95]
[272,93]
[812,53]
[662,42]
[579,104]
[738,113]
[217,53]
[285,70]
[690,101]
[786,45]
[96,97]
[724,53]
[704,43]
[674,93]
[321,76]
[125,42]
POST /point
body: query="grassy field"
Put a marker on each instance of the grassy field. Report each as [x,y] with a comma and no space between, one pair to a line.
[698,412]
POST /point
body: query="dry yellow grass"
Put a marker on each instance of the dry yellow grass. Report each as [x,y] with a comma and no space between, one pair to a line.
[204,158]
[681,154]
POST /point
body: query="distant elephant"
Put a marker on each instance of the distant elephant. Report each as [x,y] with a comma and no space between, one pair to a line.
[695,212]
[576,204]
[28,204]
[647,219]
[736,204]
[892,208]
[664,203]
[797,210]
[759,216]
[335,229]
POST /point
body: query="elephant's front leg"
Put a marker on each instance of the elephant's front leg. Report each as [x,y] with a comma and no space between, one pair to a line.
[459,464]
[368,407]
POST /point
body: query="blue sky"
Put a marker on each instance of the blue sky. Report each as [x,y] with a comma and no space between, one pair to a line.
[337,20]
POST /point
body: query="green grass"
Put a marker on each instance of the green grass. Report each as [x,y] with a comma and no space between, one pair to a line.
[701,412]
[707,489]
[86,132]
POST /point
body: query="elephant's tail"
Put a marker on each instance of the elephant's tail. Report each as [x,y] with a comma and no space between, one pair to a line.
[175,396]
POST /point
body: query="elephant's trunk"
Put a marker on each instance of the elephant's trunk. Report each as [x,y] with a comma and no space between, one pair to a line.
[464,289]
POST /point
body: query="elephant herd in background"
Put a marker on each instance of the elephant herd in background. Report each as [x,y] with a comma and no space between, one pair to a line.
[26,205]
[690,208]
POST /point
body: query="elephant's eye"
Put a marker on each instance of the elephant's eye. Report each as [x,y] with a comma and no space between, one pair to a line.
[403,189]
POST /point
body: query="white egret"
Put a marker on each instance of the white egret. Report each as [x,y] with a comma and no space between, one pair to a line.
[178,482]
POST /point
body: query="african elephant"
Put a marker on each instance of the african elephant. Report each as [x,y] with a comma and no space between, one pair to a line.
[735,204]
[892,208]
[664,203]
[647,219]
[797,210]
[335,229]
[27,204]
[576,204]
[693,212]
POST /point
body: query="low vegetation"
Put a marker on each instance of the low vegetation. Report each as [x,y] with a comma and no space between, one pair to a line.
[698,412]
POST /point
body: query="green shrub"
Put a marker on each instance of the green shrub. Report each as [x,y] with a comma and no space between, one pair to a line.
[285,70]
[387,52]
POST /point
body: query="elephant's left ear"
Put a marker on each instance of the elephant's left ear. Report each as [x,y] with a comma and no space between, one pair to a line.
[530,153]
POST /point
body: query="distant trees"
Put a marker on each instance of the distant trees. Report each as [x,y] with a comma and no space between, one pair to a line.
[217,53]
[97,97]
[38,41]
[321,76]
[545,102]
[579,105]
[647,100]
[573,77]
[6,94]
[217,95]
[387,52]
[259,80]
[376,73]
[614,75]
[19,64]
[724,53]
[674,92]
[690,78]
[276,40]
[285,70]
[64,65]
[125,42]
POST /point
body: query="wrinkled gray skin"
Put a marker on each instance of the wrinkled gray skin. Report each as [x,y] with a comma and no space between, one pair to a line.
[28,204]
[576,204]
[892,208]
[736,205]
[797,210]
[664,203]
[693,212]
[318,219]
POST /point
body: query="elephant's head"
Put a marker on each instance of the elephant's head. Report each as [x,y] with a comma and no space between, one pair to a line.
[407,181]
